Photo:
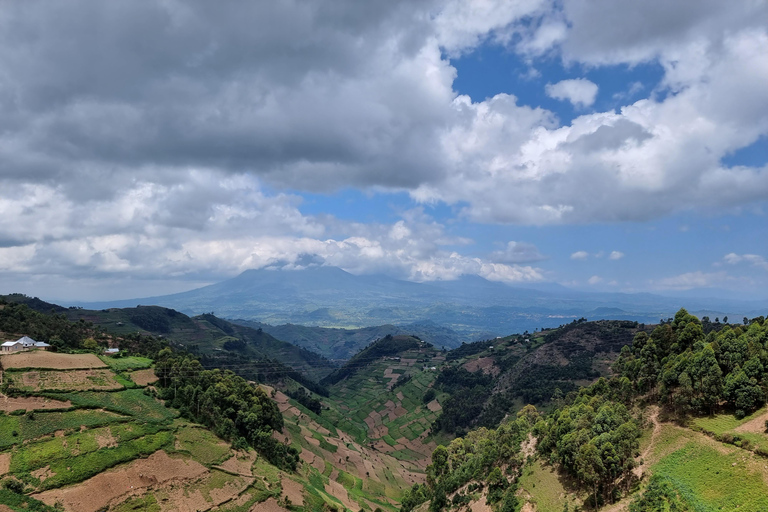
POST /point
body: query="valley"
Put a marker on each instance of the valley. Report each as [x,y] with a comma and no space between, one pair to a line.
[198,413]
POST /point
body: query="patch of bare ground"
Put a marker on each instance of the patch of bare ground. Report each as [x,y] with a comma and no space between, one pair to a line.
[98,492]
[5,463]
[528,447]
[51,360]
[106,440]
[485,364]
[528,507]
[35,403]
[434,406]
[5,508]
[144,377]
[294,491]
[42,474]
[756,425]
[268,506]
[181,497]
[480,505]
[338,491]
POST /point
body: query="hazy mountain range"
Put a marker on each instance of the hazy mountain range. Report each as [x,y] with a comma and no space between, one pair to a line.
[472,307]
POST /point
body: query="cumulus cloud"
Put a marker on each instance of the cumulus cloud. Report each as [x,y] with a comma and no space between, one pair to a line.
[580,91]
[580,255]
[615,255]
[142,145]
[595,280]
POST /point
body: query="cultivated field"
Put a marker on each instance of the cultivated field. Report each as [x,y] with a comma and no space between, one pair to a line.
[73,380]
[50,360]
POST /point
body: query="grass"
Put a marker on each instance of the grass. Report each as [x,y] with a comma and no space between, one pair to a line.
[722,423]
[544,487]
[78,468]
[132,402]
[38,454]
[123,364]
[44,423]
[711,480]
[146,503]
[202,445]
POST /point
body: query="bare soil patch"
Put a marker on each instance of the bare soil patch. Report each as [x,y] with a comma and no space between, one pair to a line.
[42,474]
[34,403]
[267,506]
[485,364]
[528,447]
[144,377]
[201,495]
[106,440]
[756,426]
[434,406]
[5,463]
[52,360]
[239,463]
[294,491]
[96,493]
[74,380]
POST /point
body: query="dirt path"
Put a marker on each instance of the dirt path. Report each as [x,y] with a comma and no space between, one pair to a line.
[654,417]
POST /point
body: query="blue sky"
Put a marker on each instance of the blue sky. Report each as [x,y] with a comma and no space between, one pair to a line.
[601,145]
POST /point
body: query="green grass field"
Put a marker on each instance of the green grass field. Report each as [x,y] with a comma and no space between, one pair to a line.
[132,402]
[123,364]
[713,480]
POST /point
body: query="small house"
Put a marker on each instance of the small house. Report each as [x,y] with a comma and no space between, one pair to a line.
[11,346]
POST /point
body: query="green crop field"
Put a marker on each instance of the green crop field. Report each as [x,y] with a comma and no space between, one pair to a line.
[132,402]
[122,364]
[202,445]
[17,429]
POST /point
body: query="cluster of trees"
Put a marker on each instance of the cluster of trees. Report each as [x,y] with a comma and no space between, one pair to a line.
[305,399]
[469,391]
[594,438]
[489,458]
[53,328]
[690,371]
[226,403]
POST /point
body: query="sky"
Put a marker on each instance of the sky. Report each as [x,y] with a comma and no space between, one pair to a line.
[609,145]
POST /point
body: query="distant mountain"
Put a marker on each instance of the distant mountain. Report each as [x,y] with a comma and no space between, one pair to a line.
[472,307]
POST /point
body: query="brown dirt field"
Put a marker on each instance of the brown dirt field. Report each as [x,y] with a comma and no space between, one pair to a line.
[144,377]
[183,497]
[74,380]
[268,506]
[481,505]
[293,490]
[96,493]
[34,403]
[434,406]
[5,508]
[756,426]
[337,490]
[106,440]
[5,463]
[53,360]
[482,363]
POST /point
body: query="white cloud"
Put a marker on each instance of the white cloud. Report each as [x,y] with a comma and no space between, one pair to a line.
[595,280]
[616,255]
[753,259]
[580,255]
[580,91]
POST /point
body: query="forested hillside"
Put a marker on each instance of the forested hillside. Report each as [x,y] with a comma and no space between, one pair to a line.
[667,431]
